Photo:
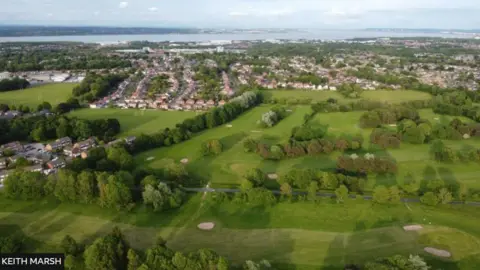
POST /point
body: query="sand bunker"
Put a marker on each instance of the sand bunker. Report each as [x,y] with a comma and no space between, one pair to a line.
[229,126]
[272,176]
[393,125]
[184,161]
[150,158]
[438,252]
[206,226]
[412,227]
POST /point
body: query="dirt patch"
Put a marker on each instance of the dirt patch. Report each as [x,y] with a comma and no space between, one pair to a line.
[272,176]
[206,226]
[393,125]
[184,161]
[438,252]
[412,227]
[150,158]
[229,126]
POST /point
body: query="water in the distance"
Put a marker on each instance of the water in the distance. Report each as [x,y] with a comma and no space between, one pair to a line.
[317,34]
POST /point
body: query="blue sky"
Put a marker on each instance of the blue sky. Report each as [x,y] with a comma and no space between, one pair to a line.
[246,13]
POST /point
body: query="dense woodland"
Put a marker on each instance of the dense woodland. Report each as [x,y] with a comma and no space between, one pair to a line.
[96,86]
[44,128]
[13,84]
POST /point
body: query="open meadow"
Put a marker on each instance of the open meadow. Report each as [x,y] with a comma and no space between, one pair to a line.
[53,93]
[300,235]
[136,122]
[388,96]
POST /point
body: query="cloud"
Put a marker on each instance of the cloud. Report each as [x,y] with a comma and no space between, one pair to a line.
[153,9]
[238,13]
[123,5]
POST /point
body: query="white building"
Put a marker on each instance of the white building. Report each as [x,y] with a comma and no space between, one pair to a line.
[4,75]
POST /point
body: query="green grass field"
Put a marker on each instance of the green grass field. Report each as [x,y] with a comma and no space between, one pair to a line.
[53,93]
[325,235]
[135,122]
[228,168]
[377,95]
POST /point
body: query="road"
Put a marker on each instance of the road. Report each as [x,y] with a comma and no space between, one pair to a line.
[319,194]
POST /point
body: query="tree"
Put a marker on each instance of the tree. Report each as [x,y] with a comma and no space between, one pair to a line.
[115,194]
[410,184]
[122,159]
[341,193]
[70,246]
[69,262]
[312,191]
[381,194]
[394,194]
[256,176]
[429,198]
[179,260]
[108,252]
[134,261]
[286,190]
[86,186]
[444,196]
[246,185]
[250,145]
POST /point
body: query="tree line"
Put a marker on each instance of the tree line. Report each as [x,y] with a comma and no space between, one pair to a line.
[104,180]
[95,86]
[13,84]
[378,117]
[213,118]
[43,128]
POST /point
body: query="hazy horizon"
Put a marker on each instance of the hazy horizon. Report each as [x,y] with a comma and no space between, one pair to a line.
[318,14]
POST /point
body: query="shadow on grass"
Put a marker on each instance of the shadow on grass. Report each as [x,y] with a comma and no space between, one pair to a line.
[429,174]
[229,141]
[240,234]
[451,182]
[386,179]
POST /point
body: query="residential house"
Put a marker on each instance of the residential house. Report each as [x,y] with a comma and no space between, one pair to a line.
[36,168]
[190,102]
[13,146]
[85,145]
[71,152]
[3,163]
[164,106]
[84,154]
[210,103]
[56,164]
[221,102]
[59,144]
[14,159]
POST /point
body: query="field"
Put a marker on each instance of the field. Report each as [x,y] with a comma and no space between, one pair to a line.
[377,95]
[302,234]
[53,93]
[228,168]
[135,122]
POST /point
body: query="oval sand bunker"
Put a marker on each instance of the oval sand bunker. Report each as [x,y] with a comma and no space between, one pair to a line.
[206,226]
[438,252]
[184,161]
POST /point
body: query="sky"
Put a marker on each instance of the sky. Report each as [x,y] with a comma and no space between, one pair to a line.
[322,14]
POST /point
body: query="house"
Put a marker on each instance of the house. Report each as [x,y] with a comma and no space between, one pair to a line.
[59,144]
[56,163]
[71,152]
[221,102]
[130,139]
[210,103]
[14,159]
[200,102]
[84,154]
[36,168]
[164,106]
[190,102]
[3,163]
[13,146]
[85,145]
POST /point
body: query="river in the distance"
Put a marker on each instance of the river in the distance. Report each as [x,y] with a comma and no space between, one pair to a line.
[310,35]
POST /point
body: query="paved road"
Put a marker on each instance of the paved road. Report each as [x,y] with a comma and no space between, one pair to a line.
[319,194]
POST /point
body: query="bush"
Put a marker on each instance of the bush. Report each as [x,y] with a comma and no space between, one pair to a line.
[212,147]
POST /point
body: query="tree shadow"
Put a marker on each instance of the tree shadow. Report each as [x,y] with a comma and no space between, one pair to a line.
[429,174]
[449,178]
[386,179]
[231,140]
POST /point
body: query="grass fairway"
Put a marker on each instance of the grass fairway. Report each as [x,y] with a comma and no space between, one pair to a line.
[135,122]
[377,95]
[53,93]
[304,234]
